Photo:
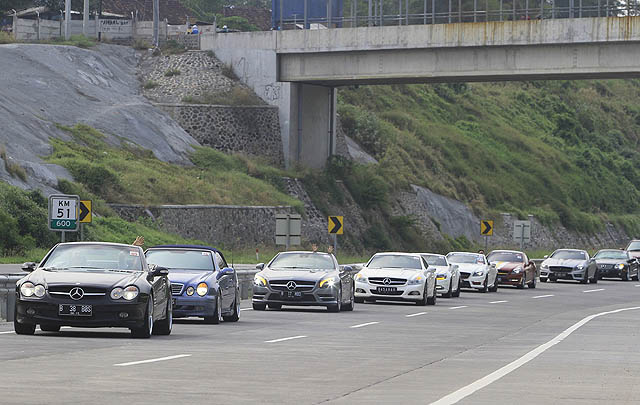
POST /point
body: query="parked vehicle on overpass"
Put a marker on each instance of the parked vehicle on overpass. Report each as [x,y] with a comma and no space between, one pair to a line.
[303,278]
[202,283]
[94,284]
[448,279]
[396,277]
[616,263]
[569,264]
[514,268]
[475,271]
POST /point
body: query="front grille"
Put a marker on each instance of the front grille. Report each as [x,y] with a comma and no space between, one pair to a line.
[176,288]
[65,289]
[301,285]
[464,275]
[503,273]
[605,266]
[392,281]
[560,269]
[387,293]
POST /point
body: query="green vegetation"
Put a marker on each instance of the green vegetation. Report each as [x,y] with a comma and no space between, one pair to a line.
[75,40]
[141,44]
[12,168]
[239,96]
[565,151]
[150,84]
[6,38]
[172,72]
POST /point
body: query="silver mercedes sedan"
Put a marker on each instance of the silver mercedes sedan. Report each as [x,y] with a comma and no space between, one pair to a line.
[303,278]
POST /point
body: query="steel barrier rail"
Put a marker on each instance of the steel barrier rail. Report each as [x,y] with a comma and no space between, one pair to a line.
[8,295]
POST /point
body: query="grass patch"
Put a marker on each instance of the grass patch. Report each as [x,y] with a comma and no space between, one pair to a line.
[14,169]
[173,47]
[237,96]
[6,38]
[150,84]
[172,72]
[75,40]
[141,44]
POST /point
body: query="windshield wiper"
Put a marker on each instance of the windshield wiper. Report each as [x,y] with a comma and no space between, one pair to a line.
[54,268]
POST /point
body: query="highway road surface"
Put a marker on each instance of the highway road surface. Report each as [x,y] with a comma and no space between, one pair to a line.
[559,343]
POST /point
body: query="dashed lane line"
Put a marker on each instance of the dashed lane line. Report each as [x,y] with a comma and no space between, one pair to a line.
[637,285]
[597,289]
[461,306]
[37,330]
[416,314]
[285,339]
[477,385]
[246,309]
[544,296]
[497,302]
[363,324]
[133,363]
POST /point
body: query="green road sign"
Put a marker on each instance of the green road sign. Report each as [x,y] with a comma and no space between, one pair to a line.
[63,224]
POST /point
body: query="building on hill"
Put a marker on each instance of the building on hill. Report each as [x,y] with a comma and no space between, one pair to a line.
[171,10]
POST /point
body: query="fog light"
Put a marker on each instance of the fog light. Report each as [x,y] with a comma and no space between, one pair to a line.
[31,311]
[360,290]
[123,315]
[414,293]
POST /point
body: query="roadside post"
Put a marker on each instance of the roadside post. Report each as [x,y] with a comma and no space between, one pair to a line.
[522,232]
[63,213]
[288,229]
[486,229]
[85,216]
[336,227]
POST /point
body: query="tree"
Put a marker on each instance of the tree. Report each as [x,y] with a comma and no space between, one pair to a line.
[8,5]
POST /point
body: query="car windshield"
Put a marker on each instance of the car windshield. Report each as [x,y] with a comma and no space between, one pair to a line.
[394,261]
[611,254]
[302,261]
[435,260]
[85,257]
[505,257]
[569,255]
[180,259]
[634,245]
[464,258]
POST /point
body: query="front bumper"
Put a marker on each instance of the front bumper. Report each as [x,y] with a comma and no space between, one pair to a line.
[510,278]
[315,297]
[577,275]
[471,281]
[613,272]
[185,306]
[443,284]
[403,292]
[104,314]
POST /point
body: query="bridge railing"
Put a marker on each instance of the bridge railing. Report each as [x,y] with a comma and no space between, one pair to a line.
[362,13]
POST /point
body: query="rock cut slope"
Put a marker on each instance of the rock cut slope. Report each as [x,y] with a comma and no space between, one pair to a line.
[42,86]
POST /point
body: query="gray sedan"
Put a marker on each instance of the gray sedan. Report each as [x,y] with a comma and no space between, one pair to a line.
[569,264]
[303,278]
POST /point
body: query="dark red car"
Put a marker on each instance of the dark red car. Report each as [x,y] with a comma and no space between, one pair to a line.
[514,268]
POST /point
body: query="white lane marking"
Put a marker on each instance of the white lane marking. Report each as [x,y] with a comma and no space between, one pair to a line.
[37,329]
[464,392]
[544,296]
[246,309]
[597,289]
[363,324]
[497,302]
[9,331]
[283,339]
[637,285]
[133,363]
[461,306]
[416,314]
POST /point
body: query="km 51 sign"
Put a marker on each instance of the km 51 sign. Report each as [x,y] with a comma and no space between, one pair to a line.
[63,212]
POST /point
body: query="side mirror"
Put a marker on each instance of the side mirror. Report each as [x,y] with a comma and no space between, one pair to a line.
[260,266]
[546,257]
[227,271]
[29,266]
[159,271]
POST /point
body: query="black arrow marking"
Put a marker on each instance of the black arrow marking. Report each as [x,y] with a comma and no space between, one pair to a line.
[84,211]
[487,227]
[336,225]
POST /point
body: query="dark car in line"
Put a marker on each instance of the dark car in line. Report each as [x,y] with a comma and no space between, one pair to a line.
[616,263]
[514,268]
[569,264]
[306,278]
[94,284]
[633,247]
[202,283]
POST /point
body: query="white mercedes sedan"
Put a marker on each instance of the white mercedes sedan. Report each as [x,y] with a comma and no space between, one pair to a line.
[447,274]
[475,271]
[396,277]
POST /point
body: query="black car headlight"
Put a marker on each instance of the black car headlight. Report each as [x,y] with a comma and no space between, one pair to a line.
[29,290]
[128,293]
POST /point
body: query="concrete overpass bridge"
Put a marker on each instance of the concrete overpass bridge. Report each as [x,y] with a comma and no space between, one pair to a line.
[299,70]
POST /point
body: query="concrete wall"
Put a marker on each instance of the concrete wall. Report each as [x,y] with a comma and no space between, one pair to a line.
[253,130]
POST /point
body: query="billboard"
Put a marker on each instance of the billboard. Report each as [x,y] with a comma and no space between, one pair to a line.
[317,11]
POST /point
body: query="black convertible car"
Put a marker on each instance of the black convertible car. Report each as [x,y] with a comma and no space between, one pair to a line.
[94,284]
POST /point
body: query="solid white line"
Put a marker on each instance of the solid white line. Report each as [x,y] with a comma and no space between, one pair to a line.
[283,339]
[363,324]
[464,392]
[133,363]
[497,302]
[637,285]
[9,331]
[598,289]
[246,309]
[37,329]
[461,306]
[417,314]
[544,296]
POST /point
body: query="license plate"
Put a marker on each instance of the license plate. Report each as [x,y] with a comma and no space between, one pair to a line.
[292,294]
[75,310]
[386,290]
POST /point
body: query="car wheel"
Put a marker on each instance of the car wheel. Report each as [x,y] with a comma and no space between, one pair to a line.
[50,328]
[625,276]
[164,326]
[457,291]
[259,307]
[24,328]
[351,304]
[432,300]
[635,278]
[217,317]
[337,307]
[543,279]
[523,282]
[275,306]
[594,280]
[494,288]
[358,300]
[449,293]
[553,279]
[146,329]
[532,284]
[235,315]
[485,287]
[585,279]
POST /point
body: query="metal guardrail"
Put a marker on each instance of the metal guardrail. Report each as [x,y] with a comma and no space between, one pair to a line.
[8,295]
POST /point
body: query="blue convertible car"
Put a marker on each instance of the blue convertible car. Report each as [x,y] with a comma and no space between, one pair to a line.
[202,283]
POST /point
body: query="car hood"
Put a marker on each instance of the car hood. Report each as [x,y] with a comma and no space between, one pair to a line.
[471,267]
[611,261]
[508,266]
[441,269]
[93,278]
[563,262]
[390,272]
[298,274]
[189,277]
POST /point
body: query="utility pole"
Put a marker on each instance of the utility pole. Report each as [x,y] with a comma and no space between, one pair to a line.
[85,18]
[156,22]
[67,23]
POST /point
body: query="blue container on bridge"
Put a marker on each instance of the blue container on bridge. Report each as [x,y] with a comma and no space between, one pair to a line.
[317,11]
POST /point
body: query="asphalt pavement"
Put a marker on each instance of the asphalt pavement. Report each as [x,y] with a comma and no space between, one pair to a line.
[559,343]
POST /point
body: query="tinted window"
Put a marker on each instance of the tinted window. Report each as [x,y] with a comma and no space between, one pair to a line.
[434,260]
[296,260]
[181,259]
[569,255]
[221,263]
[611,254]
[505,257]
[395,261]
[78,257]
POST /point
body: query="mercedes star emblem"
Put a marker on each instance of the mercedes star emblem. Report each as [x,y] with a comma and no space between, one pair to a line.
[386,281]
[291,285]
[76,293]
